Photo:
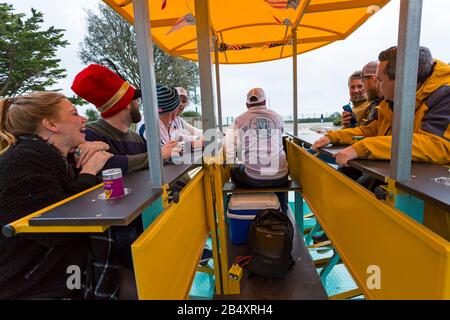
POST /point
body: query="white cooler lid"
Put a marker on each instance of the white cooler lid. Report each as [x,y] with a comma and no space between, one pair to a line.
[241,217]
[253,201]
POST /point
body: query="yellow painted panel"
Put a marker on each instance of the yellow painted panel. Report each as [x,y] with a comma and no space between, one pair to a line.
[59,229]
[166,255]
[414,262]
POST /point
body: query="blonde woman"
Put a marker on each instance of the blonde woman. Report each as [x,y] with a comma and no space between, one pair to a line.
[38,134]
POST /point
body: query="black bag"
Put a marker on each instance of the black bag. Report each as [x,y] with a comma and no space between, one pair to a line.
[270,239]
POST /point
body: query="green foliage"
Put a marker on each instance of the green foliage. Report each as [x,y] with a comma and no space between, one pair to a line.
[190,114]
[337,119]
[111,37]
[27,53]
[78,101]
[92,115]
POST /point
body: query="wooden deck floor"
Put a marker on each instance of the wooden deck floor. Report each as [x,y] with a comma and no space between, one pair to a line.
[300,283]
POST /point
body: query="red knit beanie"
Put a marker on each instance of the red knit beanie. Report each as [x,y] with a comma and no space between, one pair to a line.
[104,89]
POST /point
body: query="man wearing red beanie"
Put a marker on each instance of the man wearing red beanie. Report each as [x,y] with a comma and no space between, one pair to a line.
[116,100]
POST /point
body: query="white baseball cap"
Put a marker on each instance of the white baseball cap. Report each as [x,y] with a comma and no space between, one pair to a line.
[256,95]
[182,92]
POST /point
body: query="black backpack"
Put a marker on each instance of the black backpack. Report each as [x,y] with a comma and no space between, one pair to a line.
[270,239]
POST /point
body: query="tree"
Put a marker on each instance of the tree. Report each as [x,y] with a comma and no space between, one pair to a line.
[92,115]
[190,114]
[111,37]
[27,53]
[337,119]
[76,100]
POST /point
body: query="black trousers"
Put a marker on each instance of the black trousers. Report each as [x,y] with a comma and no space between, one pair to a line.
[363,179]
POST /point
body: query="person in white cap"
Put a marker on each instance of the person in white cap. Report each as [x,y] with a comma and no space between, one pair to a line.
[183,130]
[258,133]
[172,127]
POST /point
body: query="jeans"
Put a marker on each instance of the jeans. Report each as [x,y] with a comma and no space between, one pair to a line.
[240,177]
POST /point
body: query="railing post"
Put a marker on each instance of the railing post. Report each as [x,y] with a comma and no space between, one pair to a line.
[205,65]
[405,88]
[219,97]
[148,87]
[294,80]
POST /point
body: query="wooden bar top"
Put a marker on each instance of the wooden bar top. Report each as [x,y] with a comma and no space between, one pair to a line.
[307,138]
[89,210]
[173,172]
[423,184]
[375,168]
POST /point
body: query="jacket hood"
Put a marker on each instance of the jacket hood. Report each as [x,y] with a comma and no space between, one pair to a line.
[439,78]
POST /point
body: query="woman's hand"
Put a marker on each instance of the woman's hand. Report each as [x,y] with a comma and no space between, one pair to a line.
[86,150]
[96,162]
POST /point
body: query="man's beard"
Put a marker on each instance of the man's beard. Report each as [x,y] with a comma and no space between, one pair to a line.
[359,99]
[372,94]
[135,115]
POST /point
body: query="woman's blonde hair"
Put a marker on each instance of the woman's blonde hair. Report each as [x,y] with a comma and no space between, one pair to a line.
[24,114]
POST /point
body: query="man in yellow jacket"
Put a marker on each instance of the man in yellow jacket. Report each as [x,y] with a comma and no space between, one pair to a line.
[431,137]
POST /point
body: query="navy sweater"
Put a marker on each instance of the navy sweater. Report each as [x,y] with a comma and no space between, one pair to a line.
[129,149]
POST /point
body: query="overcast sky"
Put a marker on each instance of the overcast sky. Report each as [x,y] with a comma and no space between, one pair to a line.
[322,73]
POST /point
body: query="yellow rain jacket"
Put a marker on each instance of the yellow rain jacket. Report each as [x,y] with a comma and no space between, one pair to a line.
[362,112]
[431,136]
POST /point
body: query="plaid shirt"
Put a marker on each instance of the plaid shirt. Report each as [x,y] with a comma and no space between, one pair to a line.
[102,272]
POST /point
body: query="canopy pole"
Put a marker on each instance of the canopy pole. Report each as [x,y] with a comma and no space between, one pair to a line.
[294,80]
[301,11]
[219,97]
[148,87]
[405,88]
[205,64]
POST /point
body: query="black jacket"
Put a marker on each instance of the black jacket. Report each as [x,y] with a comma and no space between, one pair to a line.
[33,175]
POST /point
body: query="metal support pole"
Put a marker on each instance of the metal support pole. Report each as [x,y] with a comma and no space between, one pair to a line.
[298,214]
[219,97]
[294,81]
[205,66]
[405,88]
[148,87]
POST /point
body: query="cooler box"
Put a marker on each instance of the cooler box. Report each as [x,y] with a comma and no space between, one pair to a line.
[242,209]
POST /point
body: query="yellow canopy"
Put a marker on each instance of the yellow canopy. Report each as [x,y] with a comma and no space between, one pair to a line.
[253,30]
